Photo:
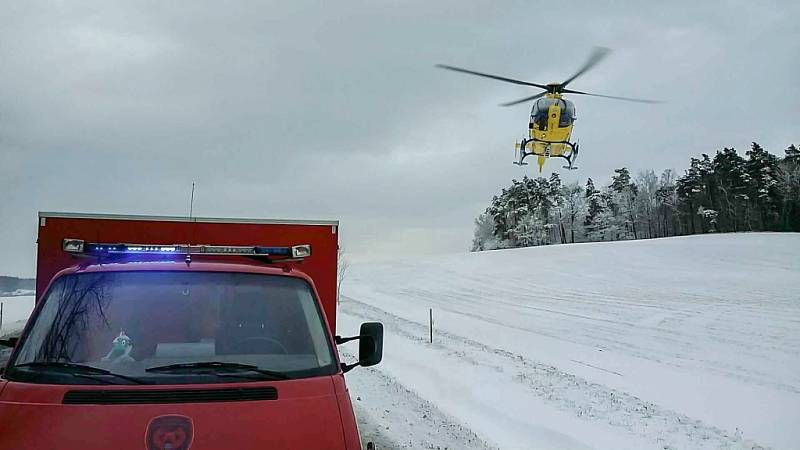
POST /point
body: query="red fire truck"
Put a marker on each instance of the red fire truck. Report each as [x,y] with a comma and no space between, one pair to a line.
[174,333]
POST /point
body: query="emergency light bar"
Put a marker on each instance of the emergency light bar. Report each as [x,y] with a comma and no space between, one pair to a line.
[78,246]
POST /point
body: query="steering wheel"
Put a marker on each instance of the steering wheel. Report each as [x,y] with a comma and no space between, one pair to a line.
[254,345]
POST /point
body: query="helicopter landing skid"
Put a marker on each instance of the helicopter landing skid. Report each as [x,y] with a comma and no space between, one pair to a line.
[571,157]
[518,149]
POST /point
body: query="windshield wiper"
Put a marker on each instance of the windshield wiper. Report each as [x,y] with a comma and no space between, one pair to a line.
[83,370]
[218,367]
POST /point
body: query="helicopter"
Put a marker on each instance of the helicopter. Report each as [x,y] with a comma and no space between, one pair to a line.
[552,116]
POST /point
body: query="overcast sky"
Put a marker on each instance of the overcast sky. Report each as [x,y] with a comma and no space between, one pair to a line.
[334,109]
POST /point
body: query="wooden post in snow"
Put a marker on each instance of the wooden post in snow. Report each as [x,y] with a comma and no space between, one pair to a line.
[430,316]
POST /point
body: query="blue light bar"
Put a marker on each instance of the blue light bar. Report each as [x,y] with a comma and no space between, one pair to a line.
[130,249]
[77,246]
[276,251]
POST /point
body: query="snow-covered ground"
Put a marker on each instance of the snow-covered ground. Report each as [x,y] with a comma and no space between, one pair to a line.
[677,343]
[16,310]
[680,343]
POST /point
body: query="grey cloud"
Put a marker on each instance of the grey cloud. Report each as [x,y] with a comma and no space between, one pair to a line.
[334,109]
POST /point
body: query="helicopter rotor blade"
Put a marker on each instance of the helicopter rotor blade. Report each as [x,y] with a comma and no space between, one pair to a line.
[487,75]
[597,55]
[628,99]
[523,100]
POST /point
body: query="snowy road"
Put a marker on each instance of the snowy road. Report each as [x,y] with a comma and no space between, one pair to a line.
[674,343]
[395,418]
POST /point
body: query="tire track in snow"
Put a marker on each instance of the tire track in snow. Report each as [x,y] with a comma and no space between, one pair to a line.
[586,400]
[603,334]
[744,339]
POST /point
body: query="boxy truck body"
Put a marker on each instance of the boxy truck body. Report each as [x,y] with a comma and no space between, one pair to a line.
[177,351]
[322,235]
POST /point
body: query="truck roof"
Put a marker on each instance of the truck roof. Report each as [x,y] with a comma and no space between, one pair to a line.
[66,215]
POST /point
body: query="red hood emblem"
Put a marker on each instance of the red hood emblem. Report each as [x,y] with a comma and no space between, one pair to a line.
[172,432]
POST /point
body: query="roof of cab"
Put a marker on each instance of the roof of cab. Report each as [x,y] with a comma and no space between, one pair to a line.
[182,266]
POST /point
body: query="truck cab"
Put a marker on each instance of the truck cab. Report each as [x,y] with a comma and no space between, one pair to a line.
[164,346]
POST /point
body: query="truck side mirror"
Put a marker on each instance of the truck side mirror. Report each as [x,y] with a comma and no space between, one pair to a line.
[370,345]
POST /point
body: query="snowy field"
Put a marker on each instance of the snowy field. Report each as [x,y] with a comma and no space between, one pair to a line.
[679,343]
[16,310]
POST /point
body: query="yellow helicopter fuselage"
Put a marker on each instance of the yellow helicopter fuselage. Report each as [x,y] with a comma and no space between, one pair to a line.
[550,128]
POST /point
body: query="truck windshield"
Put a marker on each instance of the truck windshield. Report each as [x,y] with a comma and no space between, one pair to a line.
[190,327]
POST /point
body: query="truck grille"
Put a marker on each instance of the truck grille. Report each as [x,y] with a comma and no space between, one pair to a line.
[129,397]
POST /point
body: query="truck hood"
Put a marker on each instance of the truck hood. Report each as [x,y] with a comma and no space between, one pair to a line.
[304,415]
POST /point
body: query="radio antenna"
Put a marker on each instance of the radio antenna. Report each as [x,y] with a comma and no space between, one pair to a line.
[191,214]
[191,203]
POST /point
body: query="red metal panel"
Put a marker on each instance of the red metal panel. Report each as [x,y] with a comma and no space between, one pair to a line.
[305,416]
[321,266]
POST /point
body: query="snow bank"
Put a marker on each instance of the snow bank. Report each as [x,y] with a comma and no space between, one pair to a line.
[690,342]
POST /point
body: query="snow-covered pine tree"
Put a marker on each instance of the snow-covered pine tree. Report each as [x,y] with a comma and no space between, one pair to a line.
[517,207]
[532,230]
[484,237]
[792,154]
[790,186]
[606,224]
[708,219]
[709,191]
[499,214]
[574,209]
[764,189]
[646,202]
[667,200]
[624,193]
[595,205]
[731,189]
[557,214]
[690,190]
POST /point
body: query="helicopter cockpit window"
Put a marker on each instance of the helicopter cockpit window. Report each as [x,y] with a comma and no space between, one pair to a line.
[540,110]
[567,114]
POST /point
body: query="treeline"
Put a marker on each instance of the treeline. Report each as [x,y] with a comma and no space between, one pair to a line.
[723,193]
[11,284]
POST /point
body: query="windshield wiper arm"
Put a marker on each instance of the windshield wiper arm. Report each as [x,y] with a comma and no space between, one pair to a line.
[72,367]
[259,374]
[221,366]
[200,365]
